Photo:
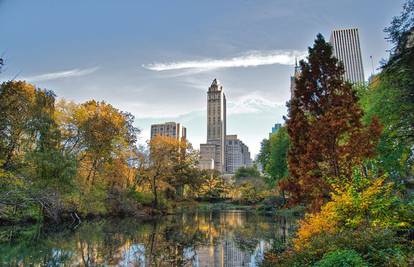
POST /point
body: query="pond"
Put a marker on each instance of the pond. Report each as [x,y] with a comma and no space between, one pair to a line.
[199,239]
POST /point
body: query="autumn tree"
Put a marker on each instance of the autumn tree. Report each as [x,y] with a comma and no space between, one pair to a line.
[324,124]
[171,166]
[38,173]
[17,104]
[213,185]
[102,139]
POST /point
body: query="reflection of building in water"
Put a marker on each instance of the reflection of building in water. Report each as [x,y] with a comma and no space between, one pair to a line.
[222,250]
[229,239]
[234,256]
[226,253]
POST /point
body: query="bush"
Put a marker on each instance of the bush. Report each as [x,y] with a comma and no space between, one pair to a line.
[377,246]
[248,193]
[343,258]
[271,204]
[244,172]
[363,202]
[144,198]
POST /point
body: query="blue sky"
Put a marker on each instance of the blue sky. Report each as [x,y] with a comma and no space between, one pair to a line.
[156,59]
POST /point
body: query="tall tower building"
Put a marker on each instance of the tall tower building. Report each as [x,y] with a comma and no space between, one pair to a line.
[213,153]
[293,79]
[346,48]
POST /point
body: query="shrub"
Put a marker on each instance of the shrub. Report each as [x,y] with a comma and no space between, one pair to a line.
[248,193]
[365,216]
[272,203]
[377,246]
[343,258]
[363,202]
[243,172]
[144,198]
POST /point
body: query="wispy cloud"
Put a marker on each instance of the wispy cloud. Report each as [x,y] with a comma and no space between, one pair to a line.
[60,74]
[250,59]
[251,103]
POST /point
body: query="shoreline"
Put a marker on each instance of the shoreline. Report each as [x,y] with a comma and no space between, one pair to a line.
[180,207]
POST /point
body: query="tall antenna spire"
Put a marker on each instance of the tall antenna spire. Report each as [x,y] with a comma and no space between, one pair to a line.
[296,66]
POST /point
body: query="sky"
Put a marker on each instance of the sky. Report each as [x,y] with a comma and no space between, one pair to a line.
[156,59]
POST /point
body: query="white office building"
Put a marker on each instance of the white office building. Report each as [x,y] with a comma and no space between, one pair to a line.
[346,47]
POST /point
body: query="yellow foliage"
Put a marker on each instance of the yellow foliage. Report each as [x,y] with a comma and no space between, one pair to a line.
[366,202]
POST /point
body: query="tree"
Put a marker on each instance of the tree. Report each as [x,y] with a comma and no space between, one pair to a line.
[244,172]
[277,168]
[101,137]
[17,119]
[213,186]
[390,97]
[38,173]
[102,140]
[324,124]
[171,165]
[264,155]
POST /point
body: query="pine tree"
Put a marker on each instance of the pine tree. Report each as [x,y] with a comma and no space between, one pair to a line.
[324,124]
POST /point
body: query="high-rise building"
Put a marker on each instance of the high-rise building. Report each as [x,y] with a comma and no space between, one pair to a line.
[275,129]
[237,154]
[214,150]
[293,79]
[171,129]
[346,48]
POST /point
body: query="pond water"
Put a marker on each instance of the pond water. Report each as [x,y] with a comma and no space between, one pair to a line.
[199,239]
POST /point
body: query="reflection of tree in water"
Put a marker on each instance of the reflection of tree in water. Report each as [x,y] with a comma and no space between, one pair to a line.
[180,240]
[172,243]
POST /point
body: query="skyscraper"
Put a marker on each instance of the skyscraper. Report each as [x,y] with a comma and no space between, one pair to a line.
[214,151]
[237,154]
[346,48]
[171,129]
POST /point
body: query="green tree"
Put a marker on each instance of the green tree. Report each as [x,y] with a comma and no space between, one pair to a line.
[277,168]
[244,172]
[264,154]
[390,97]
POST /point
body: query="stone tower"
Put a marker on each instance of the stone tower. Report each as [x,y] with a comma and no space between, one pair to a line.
[215,149]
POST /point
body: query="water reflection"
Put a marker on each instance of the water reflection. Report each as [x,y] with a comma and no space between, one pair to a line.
[190,239]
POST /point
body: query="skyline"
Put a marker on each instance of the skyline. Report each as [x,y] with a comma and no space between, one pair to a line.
[135,54]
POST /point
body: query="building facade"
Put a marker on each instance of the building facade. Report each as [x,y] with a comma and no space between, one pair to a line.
[237,154]
[346,48]
[215,150]
[171,129]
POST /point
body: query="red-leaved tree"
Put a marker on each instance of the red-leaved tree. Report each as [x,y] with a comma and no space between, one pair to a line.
[324,124]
